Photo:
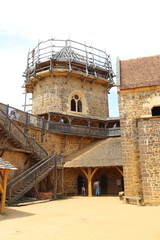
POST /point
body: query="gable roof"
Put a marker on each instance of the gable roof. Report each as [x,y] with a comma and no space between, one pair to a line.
[140,72]
[6,165]
[98,154]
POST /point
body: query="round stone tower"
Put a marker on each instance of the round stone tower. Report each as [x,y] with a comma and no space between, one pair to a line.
[68,77]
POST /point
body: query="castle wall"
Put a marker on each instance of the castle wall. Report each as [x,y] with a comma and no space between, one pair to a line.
[17,159]
[139,92]
[53,94]
[149,145]
[134,105]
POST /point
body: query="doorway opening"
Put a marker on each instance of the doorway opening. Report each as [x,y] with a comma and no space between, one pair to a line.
[80,183]
[103,184]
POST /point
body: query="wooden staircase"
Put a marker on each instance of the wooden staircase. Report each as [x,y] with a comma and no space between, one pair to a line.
[29,178]
[18,138]
[32,176]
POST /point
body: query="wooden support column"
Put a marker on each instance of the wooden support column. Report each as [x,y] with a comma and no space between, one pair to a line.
[3,188]
[89,182]
[55,175]
[26,124]
[62,176]
[89,175]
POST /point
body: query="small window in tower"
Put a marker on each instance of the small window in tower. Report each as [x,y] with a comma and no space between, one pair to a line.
[76,103]
[79,106]
[156,111]
[73,105]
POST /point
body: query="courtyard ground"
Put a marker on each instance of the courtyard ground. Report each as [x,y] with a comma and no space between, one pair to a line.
[77,218]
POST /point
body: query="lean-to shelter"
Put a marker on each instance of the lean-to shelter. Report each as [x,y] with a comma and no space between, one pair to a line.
[5,167]
[97,155]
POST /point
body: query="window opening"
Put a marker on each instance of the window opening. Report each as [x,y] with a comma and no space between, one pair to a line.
[73,105]
[156,111]
[76,103]
[79,106]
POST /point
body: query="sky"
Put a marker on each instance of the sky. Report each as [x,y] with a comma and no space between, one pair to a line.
[125,29]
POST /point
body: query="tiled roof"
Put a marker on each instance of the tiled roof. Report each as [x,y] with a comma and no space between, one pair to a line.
[140,72]
[6,165]
[99,154]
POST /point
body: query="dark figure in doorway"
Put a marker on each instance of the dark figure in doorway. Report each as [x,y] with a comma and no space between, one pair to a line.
[83,189]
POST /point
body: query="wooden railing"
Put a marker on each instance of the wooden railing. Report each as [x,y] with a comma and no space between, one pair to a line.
[17,187]
[84,130]
[24,117]
[29,178]
[26,142]
[36,121]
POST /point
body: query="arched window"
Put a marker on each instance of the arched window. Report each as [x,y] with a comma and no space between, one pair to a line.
[73,105]
[76,103]
[79,103]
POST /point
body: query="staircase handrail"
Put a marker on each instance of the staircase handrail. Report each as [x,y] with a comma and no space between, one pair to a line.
[26,142]
[25,172]
[31,175]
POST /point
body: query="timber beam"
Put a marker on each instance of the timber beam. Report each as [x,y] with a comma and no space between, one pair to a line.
[14,149]
[3,187]
[89,175]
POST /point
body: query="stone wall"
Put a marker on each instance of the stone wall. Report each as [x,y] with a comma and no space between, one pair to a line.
[149,145]
[53,94]
[134,105]
[70,181]
[140,172]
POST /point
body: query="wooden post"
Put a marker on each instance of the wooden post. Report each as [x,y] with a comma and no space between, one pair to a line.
[3,189]
[43,129]
[26,124]
[55,175]
[89,182]
[62,175]
[89,177]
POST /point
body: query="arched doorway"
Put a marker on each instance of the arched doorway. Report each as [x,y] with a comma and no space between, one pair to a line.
[103,184]
[80,181]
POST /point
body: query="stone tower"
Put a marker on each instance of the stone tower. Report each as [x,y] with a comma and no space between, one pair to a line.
[65,76]
[69,83]
[138,82]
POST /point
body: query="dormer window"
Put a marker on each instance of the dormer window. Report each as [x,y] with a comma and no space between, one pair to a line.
[156,111]
[76,103]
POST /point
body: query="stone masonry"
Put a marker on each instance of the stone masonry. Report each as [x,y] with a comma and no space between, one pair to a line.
[149,138]
[53,94]
[139,92]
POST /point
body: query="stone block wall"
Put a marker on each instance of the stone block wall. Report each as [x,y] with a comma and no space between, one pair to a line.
[139,92]
[134,104]
[53,94]
[70,181]
[114,183]
[149,145]
[18,159]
